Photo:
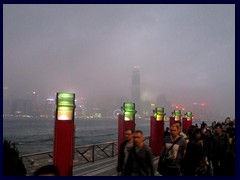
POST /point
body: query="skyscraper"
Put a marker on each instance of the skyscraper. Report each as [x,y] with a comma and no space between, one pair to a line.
[136,94]
[6,101]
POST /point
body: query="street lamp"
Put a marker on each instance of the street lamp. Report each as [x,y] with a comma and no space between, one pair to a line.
[65,106]
[159,113]
[189,115]
[177,115]
[129,111]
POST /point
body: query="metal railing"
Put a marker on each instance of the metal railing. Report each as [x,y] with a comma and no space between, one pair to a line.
[82,155]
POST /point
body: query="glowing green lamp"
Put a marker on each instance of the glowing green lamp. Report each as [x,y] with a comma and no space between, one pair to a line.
[129,111]
[159,113]
[189,115]
[65,106]
[177,115]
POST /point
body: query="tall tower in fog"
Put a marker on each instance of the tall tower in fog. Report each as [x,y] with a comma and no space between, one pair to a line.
[6,101]
[136,94]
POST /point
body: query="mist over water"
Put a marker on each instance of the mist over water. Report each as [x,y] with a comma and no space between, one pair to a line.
[37,135]
[185,54]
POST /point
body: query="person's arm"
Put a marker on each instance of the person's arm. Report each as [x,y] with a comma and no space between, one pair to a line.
[227,143]
[121,159]
[161,157]
[184,148]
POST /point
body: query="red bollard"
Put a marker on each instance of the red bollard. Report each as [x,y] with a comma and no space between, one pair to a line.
[186,124]
[156,136]
[64,147]
[171,121]
[63,151]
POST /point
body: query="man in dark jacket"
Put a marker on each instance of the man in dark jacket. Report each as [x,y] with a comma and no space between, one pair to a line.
[139,161]
[219,149]
[124,151]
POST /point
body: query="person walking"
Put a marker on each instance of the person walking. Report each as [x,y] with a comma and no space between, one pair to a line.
[231,156]
[166,132]
[173,152]
[140,159]
[219,150]
[195,160]
[124,151]
[183,132]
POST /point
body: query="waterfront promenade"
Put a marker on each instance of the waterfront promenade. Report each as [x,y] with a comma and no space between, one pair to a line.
[104,167]
[90,160]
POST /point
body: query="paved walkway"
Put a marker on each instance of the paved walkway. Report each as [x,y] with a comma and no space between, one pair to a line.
[90,160]
[104,167]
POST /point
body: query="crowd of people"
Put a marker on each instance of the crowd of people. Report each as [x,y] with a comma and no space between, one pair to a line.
[200,151]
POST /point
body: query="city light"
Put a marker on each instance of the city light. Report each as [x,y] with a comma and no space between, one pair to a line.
[203,104]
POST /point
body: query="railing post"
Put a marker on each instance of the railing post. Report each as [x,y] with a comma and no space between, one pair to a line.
[93,158]
[112,149]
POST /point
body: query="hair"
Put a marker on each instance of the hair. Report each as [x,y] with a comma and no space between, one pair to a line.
[210,132]
[48,169]
[139,131]
[231,123]
[198,130]
[218,125]
[178,122]
[12,162]
[132,131]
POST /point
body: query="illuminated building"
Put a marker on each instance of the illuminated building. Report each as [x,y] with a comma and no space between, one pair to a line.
[136,94]
[49,107]
[6,102]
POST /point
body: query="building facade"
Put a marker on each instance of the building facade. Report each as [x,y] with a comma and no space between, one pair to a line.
[136,90]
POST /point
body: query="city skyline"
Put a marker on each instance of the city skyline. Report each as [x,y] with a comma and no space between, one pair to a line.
[33,105]
[185,52]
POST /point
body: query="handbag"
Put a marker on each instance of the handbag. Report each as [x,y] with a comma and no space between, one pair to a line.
[165,162]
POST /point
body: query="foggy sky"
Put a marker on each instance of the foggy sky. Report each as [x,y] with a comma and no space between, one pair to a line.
[185,52]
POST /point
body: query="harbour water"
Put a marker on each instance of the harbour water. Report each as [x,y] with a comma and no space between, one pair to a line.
[36,135]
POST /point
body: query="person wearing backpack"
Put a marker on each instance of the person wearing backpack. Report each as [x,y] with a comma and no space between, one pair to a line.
[173,152]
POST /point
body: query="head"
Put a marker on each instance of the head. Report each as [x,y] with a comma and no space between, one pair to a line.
[48,170]
[178,123]
[138,138]
[175,130]
[208,133]
[231,124]
[218,129]
[198,133]
[12,161]
[128,133]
